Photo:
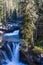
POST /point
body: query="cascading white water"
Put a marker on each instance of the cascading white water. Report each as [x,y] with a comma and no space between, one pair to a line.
[13,53]
[16,55]
[15,58]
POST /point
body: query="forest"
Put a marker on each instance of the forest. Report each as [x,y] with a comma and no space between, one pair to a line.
[21,32]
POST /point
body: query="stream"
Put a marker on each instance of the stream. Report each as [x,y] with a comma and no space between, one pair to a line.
[10,52]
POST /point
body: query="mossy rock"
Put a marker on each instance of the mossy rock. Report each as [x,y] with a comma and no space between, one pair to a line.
[38,49]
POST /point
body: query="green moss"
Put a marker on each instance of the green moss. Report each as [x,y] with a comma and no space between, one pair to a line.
[39,42]
[38,49]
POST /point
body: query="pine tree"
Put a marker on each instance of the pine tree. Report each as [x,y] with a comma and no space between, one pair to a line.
[29,19]
[2,11]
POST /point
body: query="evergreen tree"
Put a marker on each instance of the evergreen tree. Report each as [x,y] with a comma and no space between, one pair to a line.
[14,15]
[29,19]
[2,11]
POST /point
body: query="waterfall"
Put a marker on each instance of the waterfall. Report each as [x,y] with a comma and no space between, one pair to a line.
[14,55]
[17,53]
[10,53]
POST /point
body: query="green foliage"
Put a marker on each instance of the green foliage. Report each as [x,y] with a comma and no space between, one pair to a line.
[38,49]
[39,42]
[28,21]
[2,14]
[1,7]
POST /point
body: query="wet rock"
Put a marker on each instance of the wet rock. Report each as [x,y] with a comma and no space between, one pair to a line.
[23,58]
